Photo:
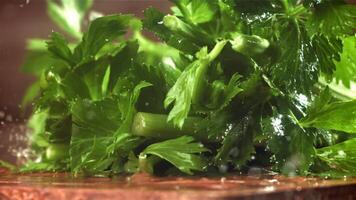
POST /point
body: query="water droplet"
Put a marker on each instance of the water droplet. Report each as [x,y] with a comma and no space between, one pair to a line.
[255,171]
[223,168]
[298,188]
[9,118]
[341,153]
[269,188]
[2,114]
[277,125]
[234,152]
[273,181]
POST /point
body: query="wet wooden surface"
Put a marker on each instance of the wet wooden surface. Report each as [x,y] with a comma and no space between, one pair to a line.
[56,186]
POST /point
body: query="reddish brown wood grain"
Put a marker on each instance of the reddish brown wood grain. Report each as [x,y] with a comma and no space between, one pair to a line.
[141,186]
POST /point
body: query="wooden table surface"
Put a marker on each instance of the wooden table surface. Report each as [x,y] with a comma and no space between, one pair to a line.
[56,186]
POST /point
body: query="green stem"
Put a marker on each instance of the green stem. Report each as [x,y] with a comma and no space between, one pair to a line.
[255,92]
[298,10]
[201,81]
[286,6]
[250,45]
[216,50]
[156,126]
[182,9]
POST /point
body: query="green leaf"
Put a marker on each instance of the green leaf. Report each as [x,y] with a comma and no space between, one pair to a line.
[201,11]
[105,83]
[162,58]
[58,123]
[69,15]
[35,44]
[110,50]
[153,21]
[38,60]
[331,116]
[104,30]
[73,86]
[297,68]
[7,165]
[187,31]
[340,158]
[37,124]
[81,5]
[292,146]
[197,11]
[58,46]
[43,166]
[126,105]
[94,125]
[31,93]
[230,20]
[327,50]
[131,98]
[232,89]
[237,146]
[129,110]
[95,78]
[180,152]
[323,99]
[332,19]
[346,67]
[221,94]
[91,75]
[181,95]
[189,87]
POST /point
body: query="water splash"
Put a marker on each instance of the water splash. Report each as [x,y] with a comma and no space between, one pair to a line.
[2,114]
[276,123]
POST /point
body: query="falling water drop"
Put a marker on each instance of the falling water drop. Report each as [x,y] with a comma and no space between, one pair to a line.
[2,114]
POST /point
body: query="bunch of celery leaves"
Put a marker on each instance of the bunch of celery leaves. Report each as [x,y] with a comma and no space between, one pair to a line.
[231,84]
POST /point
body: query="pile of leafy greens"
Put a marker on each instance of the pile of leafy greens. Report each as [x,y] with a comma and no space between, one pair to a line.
[231,84]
